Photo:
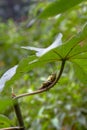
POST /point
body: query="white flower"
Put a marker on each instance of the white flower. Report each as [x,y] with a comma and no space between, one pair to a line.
[42,51]
[7,76]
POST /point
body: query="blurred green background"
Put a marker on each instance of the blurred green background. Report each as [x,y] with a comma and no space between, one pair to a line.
[65,106]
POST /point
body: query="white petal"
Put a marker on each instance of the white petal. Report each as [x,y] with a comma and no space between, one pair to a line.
[56,43]
[7,76]
[32,48]
[42,51]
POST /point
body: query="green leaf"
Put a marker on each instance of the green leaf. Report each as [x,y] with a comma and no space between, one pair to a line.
[59,6]
[72,47]
[80,55]
[23,67]
[26,64]
[4,121]
[68,50]
[29,63]
[5,103]
[80,67]
[77,44]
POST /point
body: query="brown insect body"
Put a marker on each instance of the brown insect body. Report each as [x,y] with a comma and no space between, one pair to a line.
[49,81]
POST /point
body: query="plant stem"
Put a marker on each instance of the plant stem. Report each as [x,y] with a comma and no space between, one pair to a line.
[18,114]
[45,89]
[12,128]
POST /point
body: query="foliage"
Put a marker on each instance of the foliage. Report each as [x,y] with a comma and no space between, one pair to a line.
[64,106]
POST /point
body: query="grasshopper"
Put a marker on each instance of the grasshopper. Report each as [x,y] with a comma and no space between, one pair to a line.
[49,81]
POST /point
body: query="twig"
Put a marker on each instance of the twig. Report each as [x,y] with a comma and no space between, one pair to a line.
[47,88]
[12,128]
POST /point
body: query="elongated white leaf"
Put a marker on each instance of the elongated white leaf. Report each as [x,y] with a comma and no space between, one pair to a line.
[7,76]
[42,51]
